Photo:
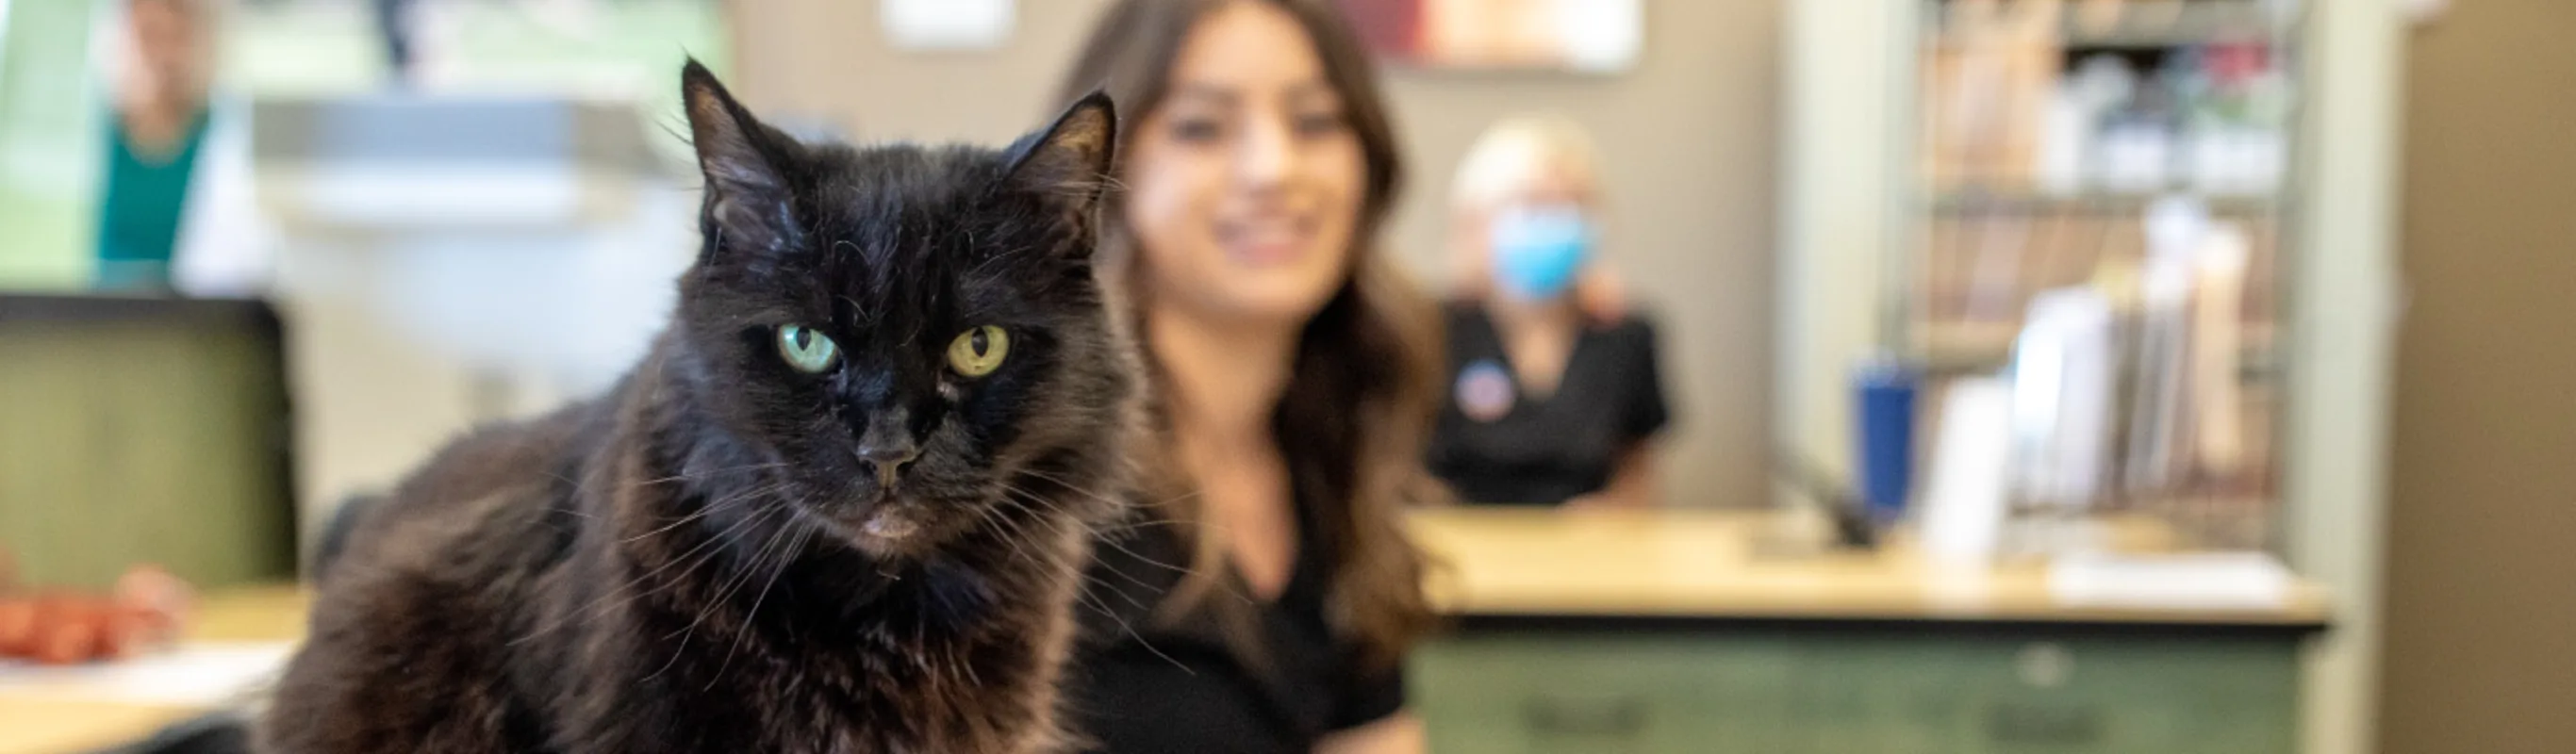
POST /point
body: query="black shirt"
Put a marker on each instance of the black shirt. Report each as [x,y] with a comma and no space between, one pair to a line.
[1497,444]
[1137,684]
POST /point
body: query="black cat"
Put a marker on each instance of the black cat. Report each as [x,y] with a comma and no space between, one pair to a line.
[841,506]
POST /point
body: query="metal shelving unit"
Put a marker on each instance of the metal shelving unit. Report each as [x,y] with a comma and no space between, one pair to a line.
[1851,201]
[1982,229]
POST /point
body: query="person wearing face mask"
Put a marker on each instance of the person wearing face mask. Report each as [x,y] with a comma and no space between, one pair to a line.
[1555,396]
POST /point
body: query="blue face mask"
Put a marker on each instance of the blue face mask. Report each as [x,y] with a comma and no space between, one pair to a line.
[1538,250]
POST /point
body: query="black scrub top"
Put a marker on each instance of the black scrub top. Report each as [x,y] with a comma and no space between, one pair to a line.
[1141,685]
[1496,444]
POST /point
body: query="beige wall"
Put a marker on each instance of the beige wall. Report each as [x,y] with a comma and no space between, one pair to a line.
[2480,650]
[1687,139]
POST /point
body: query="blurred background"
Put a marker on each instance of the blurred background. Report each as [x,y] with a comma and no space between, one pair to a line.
[2000,286]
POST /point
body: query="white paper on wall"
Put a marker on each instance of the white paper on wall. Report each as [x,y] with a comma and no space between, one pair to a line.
[930,25]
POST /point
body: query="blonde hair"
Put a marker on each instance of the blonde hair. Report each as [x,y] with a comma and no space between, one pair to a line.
[1510,156]
[1520,150]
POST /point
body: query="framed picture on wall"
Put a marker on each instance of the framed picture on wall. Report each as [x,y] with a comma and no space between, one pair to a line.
[1591,36]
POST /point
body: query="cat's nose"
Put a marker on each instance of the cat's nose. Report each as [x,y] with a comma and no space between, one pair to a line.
[888,460]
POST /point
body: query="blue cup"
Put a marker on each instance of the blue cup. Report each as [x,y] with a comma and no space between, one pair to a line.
[1883,391]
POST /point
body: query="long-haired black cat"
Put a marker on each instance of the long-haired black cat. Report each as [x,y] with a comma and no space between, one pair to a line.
[841,506]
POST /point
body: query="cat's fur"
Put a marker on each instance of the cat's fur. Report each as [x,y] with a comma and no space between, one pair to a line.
[700,561]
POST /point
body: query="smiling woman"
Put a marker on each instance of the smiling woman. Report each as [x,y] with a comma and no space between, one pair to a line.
[1263,598]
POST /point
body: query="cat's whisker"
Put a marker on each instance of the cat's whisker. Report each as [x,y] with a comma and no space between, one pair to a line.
[707,508]
[1205,529]
[674,524]
[1131,599]
[1068,485]
[676,653]
[583,485]
[1042,503]
[1084,597]
[1019,539]
[1113,543]
[1028,497]
[720,536]
[576,512]
[1002,527]
[604,602]
[1139,557]
[1013,533]
[671,129]
[691,632]
[701,474]
[786,558]
[601,604]
[750,568]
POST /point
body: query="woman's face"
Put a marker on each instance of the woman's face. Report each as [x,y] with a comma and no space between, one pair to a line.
[1244,185]
[1553,189]
[167,41]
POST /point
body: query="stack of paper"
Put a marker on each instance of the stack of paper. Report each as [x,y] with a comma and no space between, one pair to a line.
[2187,581]
[195,675]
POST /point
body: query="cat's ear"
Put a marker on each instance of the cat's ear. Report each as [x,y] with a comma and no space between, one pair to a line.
[1071,158]
[746,196]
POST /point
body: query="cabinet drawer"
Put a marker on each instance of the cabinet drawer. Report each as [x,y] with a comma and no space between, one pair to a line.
[1839,691]
[2089,696]
[1576,693]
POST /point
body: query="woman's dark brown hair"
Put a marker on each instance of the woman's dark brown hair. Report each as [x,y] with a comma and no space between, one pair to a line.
[1354,415]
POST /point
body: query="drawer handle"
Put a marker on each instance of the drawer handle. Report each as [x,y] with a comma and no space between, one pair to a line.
[1613,716]
[2044,724]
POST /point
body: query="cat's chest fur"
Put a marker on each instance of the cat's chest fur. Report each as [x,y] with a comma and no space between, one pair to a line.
[474,623]
[844,655]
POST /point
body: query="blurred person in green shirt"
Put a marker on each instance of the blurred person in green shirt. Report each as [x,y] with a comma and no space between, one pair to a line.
[175,211]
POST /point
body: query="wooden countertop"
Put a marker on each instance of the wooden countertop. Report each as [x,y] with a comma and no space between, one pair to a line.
[1492,563]
[1704,564]
[38,721]
[22,307]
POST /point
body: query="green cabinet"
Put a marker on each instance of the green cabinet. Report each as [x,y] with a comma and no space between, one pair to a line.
[1837,690]
[1549,693]
[143,430]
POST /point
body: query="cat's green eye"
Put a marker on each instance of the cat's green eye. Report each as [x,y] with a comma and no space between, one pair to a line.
[808,351]
[978,351]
